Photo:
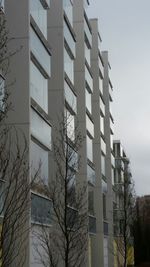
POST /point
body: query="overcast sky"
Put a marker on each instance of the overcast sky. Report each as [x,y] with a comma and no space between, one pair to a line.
[125,30]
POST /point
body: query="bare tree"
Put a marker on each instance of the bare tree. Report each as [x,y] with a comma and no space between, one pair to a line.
[65,244]
[124,216]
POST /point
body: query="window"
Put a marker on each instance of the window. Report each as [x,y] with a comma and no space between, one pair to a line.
[90,175]
[91,202]
[104,207]
[88,101]
[103,164]
[70,125]
[104,187]
[103,146]
[70,97]
[40,15]
[2,89]
[69,38]
[40,52]
[102,124]
[101,85]
[39,162]
[68,8]
[41,209]
[69,66]
[88,35]
[39,87]
[89,143]
[87,54]
[72,158]
[40,129]
[88,79]
[2,4]
[89,126]
[102,106]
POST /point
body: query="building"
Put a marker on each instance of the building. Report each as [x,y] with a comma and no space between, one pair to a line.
[60,69]
[123,208]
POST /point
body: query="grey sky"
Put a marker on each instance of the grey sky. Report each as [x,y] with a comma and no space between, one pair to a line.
[125,31]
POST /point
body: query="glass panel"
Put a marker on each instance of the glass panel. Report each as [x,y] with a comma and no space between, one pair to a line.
[111,126]
[2,4]
[102,106]
[103,164]
[102,124]
[103,146]
[39,87]
[2,89]
[91,202]
[69,39]
[70,97]
[89,126]
[101,85]
[87,54]
[88,101]
[87,32]
[40,129]
[89,143]
[40,209]
[92,224]
[72,158]
[104,207]
[69,66]
[40,52]
[112,160]
[104,187]
[40,15]
[68,8]
[100,66]
[70,125]
[88,79]
[39,162]
[90,175]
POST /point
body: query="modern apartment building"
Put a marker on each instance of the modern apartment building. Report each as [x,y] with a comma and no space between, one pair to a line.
[60,70]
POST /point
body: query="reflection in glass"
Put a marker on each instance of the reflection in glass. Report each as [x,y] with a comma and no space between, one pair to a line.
[41,209]
[39,162]
[88,101]
[89,144]
[40,52]
[69,66]
[39,87]
[70,97]
[89,126]
[40,129]
[39,14]
[90,174]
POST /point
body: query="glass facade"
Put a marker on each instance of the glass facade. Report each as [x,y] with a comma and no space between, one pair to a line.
[101,85]
[88,101]
[69,39]
[89,143]
[40,52]
[39,14]
[69,66]
[39,162]
[41,209]
[102,106]
[70,97]
[39,87]
[40,129]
